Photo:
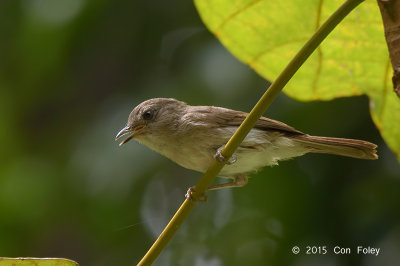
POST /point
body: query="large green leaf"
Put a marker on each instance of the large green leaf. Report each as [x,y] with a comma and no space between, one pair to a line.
[353,60]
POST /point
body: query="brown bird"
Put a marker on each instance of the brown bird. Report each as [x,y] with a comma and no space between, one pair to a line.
[191,136]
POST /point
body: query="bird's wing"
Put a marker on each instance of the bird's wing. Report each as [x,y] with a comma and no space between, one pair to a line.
[223,117]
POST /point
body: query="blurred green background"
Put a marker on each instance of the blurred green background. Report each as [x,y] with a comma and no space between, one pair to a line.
[70,73]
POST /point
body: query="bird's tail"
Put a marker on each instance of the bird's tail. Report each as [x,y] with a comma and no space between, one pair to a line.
[345,147]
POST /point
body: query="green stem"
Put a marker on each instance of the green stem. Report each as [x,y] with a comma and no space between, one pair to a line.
[247,125]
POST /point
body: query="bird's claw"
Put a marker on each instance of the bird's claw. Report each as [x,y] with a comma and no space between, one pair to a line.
[220,158]
[192,195]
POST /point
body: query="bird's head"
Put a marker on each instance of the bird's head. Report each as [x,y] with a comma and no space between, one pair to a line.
[152,117]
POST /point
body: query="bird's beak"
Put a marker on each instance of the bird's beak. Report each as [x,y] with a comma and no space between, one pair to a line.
[127,130]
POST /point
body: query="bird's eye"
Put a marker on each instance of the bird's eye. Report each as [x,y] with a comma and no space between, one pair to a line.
[148,115]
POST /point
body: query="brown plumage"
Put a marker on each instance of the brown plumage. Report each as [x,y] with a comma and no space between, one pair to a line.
[223,117]
[191,135]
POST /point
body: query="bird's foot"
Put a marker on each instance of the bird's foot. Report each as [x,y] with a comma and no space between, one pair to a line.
[193,195]
[220,158]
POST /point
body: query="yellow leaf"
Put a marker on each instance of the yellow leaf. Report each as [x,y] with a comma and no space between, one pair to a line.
[352,61]
[36,262]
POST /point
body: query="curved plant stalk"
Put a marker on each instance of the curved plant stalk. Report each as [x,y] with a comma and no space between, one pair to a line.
[390,11]
[247,125]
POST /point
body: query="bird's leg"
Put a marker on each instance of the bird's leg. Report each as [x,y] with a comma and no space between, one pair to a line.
[239,181]
[220,158]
